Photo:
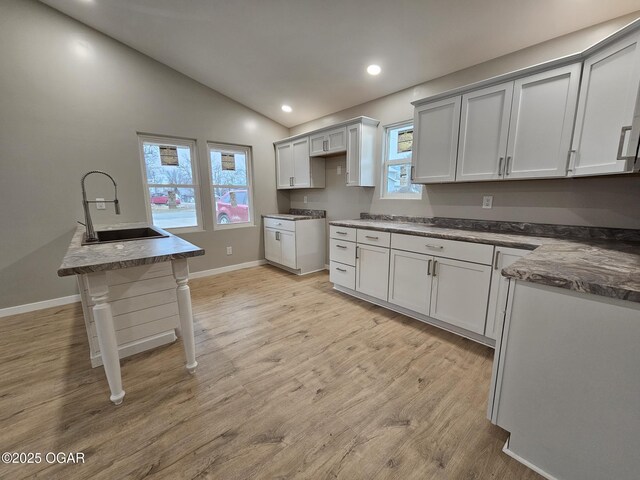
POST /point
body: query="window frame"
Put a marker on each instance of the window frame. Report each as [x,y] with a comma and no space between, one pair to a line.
[384,194]
[193,148]
[231,148]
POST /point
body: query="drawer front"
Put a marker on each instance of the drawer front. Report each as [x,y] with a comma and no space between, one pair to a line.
[342,233]
[372,237]
[469,252]
[341,274]
[342,252]
[289,225]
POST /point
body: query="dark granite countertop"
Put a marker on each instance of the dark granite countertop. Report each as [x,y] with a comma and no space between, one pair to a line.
[603,267]
[298,214]
[112,256]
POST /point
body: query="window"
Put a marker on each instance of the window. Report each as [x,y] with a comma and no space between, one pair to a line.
[171,182]
[396,171]
[230,167]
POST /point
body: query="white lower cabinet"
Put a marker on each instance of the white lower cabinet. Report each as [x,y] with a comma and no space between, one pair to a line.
[504,257]
[460,293]
[372,271]
[444,282]
[410,280]
[297,245]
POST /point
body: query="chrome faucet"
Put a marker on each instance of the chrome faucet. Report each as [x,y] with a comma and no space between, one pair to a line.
[90,234]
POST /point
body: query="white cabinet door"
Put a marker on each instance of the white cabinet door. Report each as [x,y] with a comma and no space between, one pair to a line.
[288,246]
[460,293]
[541,125]
[317,145]
[301,165]
[328,142]
[410,280]
[353,154]
[608,97]
[435,141]
[284,165]
[500,288]
[272,247]
[484,127]
[336,140]
[372,271]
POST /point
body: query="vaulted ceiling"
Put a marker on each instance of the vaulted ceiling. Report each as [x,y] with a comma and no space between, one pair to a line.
[312,54]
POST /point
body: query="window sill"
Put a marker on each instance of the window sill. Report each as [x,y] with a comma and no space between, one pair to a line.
[401,197]
[231,226]
[179,230]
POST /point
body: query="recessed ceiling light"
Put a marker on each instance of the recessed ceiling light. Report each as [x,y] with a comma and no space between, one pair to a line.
[287,108]
[373,69]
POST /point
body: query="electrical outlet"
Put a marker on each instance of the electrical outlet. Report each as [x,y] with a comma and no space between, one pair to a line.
[305,199]
[100,204]
[487,201]
[229,250]
[339,170]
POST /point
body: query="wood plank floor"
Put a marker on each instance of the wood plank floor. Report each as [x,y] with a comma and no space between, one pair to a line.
[295,380]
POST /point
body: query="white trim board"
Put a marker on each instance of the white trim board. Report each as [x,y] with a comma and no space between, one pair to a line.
[30,307]
[56,302]
[229,268]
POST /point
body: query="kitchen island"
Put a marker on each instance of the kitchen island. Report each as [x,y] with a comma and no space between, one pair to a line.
[102,269]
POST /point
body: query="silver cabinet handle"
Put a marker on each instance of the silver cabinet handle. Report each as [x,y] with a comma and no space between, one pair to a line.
[278,236]
[371,237]
[429,245]
[569,158]
[340,246]
[500,166]
[357,252]
[291,181]
[279,223]
[325,145]
[435,263]
[507,165]
[495,260]
[413,169]
[341,269]
[341,233]
[623,136]
[429,267]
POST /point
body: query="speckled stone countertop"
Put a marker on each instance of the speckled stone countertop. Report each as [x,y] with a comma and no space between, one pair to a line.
[608,268]
[298,214]
[112,256]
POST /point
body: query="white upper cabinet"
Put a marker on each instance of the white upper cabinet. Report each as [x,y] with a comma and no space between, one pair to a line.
[361,138]
[284,165]
[294,167]
[435,144]
[484,129]
[606,139]
[541,125]
[328,142]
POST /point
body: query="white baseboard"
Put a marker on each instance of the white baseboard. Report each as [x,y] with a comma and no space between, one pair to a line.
[56,302]
[30,307]
[230,268]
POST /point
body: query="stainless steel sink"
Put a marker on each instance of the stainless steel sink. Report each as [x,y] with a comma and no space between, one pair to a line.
[124,235]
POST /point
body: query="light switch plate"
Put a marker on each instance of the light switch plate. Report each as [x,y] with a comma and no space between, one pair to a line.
[305,199]
[100,204]
[487,201]
[229,250]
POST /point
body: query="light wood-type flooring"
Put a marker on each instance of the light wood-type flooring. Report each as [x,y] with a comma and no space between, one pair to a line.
[295,380]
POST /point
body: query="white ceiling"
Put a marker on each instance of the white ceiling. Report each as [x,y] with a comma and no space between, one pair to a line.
[312,54]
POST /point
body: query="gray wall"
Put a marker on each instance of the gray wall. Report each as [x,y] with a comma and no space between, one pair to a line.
[604,201]
[62,114]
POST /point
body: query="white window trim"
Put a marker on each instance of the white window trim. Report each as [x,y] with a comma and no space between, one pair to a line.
[166,140]
[231,148]
[385,162]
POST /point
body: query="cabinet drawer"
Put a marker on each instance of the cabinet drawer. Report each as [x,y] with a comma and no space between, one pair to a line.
[372,237]
[470,252]
[342,233]
[342,274]
[278,224]
[343,252]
